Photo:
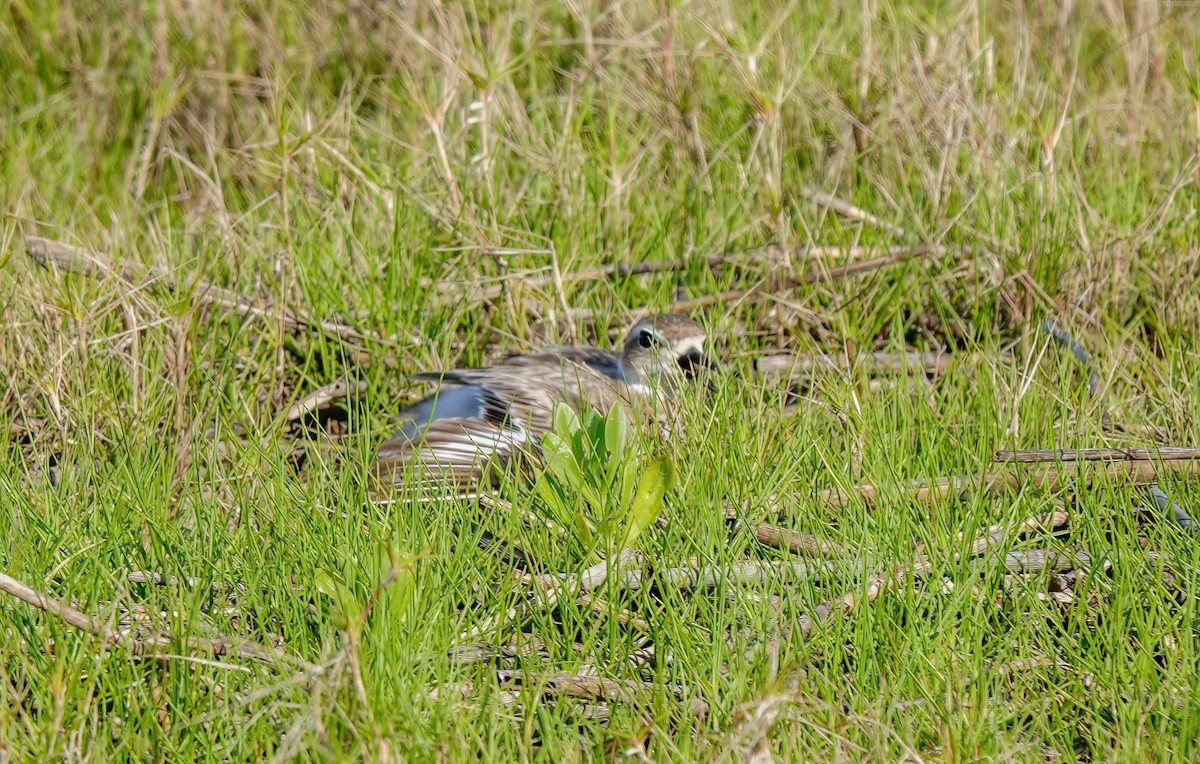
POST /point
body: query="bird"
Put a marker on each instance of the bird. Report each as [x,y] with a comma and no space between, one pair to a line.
[480,418]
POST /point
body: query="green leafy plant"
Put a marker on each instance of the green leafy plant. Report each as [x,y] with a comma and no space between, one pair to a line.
[593,482]
[393,574]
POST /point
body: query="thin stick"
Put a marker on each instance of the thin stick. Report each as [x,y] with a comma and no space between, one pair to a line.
[886,363]
[48,252]
[1050,478]
[742,573]
[794,541]
[918,567]
[816,275]
[1159,499]
[595,688]
[1081,353]
[849,211]
[151,647]
[323,396]
[1037,560]
[544,277]
[67,613]
[1096,455]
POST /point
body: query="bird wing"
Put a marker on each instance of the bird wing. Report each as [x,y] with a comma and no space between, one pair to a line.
[491,414]
[603,362]
[453,434]
[533,385]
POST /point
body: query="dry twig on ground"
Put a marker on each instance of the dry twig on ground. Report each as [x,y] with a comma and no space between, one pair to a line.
[154,646]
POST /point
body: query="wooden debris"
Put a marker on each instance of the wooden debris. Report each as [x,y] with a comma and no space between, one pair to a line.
[918,567]
[849,211]
[149,647]
[1049,478]
[323,396]
[884,363]
[65,257]
[817,275]
[1096,454]
[595,688]
[794,541]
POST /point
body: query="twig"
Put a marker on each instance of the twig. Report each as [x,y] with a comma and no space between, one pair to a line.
[749,573]
[48,252]
[67,613]
[544,276]
[1096,455]
[1182,518]
[794,541]
[584,581]
[1050,478]
[1079,351]
[321,398]
[919,567]
[743,573]
[548,588]
[885,363]
[816,275]
[849,211]
[159,579]
[152,647]
[482,652]
[1037,560]
[595,688]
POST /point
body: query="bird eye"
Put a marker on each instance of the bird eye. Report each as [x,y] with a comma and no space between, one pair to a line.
[645,338]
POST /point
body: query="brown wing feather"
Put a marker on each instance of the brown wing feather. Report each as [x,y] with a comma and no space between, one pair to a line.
[525,390]
[455,451]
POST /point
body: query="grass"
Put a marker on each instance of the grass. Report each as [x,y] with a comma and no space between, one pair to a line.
[374,164]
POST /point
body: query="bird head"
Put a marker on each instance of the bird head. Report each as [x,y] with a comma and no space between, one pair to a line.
[667,347]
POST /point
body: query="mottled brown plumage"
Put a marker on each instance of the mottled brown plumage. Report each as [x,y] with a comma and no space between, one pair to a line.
[484,417]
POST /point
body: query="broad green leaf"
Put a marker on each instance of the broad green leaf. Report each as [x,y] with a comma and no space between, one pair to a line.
[584,530]
[561,461]
[658,478]
[552,497]
[595,428]
[346,607]
[627,482]
[616,436]
[565,422]
[402,589]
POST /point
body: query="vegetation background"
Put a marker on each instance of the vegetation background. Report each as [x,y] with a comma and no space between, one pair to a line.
[412,185]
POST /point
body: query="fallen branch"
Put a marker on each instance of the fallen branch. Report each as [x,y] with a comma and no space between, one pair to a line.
[158,579]
[595,688]
[884,363]
[1140,473]
[709,576]
[1157,497]
[79,620]
[1096,455]
[814,276]
[849,211]
[321,398]
[548,588]
[151,647]
[544,277]
[796,542]
[1038,560]
[879,583]
[1079,351]
[65,257]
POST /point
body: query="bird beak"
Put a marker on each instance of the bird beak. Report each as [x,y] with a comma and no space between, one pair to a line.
[694,362]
